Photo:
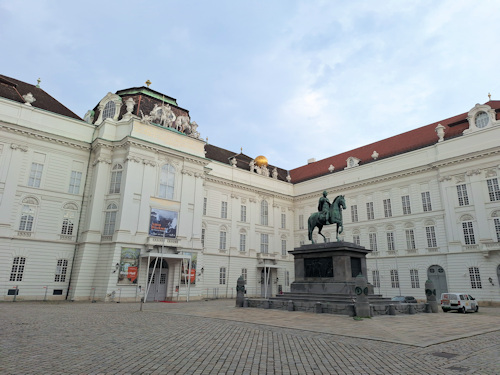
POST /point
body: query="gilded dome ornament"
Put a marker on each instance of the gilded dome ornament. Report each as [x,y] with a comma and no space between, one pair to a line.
[261,161]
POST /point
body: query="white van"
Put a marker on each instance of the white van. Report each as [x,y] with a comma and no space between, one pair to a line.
[462,302]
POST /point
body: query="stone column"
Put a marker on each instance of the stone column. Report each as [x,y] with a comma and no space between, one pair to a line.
[240,292]
[430,292]
[362,304]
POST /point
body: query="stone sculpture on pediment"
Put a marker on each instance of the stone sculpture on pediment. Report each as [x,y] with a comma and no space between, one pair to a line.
[275,173]
[182,124]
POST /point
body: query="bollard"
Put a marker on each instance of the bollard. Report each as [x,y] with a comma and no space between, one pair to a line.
[411,309]
[245,302]
[265,304]
[290,305]
[318,309]
[392,310]
[142,301]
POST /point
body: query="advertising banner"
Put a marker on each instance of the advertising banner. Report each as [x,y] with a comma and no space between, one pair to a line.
[185,275]
[129,266]
[163,223]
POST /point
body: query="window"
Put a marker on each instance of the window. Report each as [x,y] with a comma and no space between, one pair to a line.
[264,213]
[61,268]
[468,233]
[497,228]
[301,221]
[410,239]
[17,271]
[394,279]
[283,221]
[203,237]
[387,208]
[405,200]
[373,241]
[222,276]
[301,243]
[116,179]
[35,175]
[356,239]
[223,210]
[167,182]
[243,242]
[426,201]
[431,236]
[27,218]
[415,283]
[264,243]
[493,189]
[222,240]
[463,198]
[110,220]
[244,274]
[68,222]
[205,206]
[109,110]
[243,213]
[475,278]
[369,211]
[376,278]
[283,247]
[354,213]
[287,278]
[74,182]
[390,241]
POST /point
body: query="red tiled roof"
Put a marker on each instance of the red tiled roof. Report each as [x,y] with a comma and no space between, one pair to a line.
[14,89]
[398,144]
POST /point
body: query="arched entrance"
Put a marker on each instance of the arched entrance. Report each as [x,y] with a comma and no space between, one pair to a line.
[437,275]
[158,278]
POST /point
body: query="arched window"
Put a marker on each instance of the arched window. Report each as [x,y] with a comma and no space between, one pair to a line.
[110,219]
[264,213]
[167,182]
[109,110]
[68,219]
[116,179]
[28,214]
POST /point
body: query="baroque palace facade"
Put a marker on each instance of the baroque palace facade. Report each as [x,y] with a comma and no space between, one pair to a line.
[131,202]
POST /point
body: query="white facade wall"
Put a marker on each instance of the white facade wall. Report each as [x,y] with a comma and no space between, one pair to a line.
[64,145]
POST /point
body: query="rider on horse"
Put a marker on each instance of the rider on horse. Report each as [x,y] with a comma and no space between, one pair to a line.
[324,208]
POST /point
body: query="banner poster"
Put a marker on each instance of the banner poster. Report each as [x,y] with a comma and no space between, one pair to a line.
[129,266]
[163,223]
[185,276]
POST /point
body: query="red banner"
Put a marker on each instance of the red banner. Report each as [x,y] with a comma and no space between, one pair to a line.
[132,273]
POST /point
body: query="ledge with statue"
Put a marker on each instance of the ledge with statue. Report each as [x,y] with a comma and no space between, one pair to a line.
[330,276]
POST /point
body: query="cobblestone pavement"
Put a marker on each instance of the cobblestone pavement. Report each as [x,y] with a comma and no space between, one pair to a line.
[214,337]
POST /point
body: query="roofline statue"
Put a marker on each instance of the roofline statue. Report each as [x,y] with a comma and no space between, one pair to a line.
[328,213]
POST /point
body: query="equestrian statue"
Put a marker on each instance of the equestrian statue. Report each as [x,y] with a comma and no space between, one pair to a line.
[328,213]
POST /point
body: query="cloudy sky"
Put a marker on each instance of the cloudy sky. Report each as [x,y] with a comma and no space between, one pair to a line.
[291,80]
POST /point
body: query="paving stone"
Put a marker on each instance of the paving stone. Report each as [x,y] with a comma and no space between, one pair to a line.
[213,337]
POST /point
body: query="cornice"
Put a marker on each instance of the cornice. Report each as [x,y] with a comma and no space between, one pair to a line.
[44,137]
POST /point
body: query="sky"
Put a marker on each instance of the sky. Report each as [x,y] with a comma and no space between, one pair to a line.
[290,80]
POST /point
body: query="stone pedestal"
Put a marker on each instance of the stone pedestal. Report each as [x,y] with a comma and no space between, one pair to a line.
[329,268]
[430,292]
[240,292]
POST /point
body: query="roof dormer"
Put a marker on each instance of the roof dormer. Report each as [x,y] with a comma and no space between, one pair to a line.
[480,117]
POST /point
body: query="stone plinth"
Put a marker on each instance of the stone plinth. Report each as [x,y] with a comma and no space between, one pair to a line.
[328,268]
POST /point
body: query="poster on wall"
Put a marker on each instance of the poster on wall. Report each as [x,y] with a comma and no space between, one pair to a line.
[185,274]
[129,266]
[163,223]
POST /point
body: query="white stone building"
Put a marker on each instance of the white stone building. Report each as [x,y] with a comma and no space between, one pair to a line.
[130,202]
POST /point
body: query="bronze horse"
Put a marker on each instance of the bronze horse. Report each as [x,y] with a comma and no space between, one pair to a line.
[335,212]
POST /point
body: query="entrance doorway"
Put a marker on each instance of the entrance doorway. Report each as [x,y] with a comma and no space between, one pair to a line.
[437,275]
[157,276]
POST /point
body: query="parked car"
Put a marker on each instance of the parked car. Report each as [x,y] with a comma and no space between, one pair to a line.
[404,299]
[462,302]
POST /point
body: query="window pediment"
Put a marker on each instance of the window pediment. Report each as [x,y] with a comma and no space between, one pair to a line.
[352,162]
